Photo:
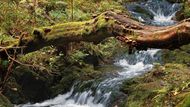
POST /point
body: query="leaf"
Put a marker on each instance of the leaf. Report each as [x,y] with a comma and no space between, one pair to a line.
[5,63]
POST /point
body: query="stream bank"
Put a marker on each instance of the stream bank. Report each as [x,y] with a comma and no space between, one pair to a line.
[164,86]
[57,73]
[167,85]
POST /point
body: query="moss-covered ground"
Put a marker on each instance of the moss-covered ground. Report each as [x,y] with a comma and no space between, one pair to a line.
[164,86]
[167,85]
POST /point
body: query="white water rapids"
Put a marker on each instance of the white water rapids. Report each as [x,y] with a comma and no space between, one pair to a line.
[133,65]
[160,12]
[154,12]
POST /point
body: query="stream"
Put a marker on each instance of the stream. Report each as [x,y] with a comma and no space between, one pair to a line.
[103,92]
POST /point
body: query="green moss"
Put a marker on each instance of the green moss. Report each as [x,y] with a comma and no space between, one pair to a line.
[186,10]
[185,102]
[164,86]
[4,102]
[12,17]
[180,56]
[79,30]
[7,41]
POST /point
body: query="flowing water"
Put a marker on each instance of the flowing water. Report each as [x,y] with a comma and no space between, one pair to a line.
[154,12]
[102,92]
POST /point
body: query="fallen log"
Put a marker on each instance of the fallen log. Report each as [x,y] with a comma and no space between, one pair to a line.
[108,24]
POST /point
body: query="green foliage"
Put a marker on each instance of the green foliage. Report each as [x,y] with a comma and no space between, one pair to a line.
[6,38]
[78,56]
[186,10]
[185,102]
[13,19]
[84,9]
[177,56]
[4,102]
[4,63]
[110,47]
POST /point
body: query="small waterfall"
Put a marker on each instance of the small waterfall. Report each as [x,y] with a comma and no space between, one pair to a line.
[154,12]
[103,92]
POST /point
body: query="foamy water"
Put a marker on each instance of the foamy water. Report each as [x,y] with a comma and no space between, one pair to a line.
[155,12]
[142,62]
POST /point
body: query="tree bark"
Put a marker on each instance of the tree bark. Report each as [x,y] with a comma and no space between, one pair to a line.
[108,24]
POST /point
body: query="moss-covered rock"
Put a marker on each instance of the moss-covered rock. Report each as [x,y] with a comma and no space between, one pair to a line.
[26,86]
[164,86]
[180,56]
[184,13]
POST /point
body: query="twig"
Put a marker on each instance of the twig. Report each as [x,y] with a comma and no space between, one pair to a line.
[16,47]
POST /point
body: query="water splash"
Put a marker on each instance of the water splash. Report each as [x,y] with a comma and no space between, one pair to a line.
[155,12]
[65,101]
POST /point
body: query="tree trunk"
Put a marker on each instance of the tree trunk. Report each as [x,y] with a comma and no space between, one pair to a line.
[109,24]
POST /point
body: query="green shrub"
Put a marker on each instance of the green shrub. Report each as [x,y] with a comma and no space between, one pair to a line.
[13,19]
[186,10]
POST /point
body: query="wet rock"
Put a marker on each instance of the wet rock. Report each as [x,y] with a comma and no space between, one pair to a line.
[27,86]
[184,13]
[179,15]
[177,56]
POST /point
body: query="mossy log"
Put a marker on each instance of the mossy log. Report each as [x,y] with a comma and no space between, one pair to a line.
[109,24]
